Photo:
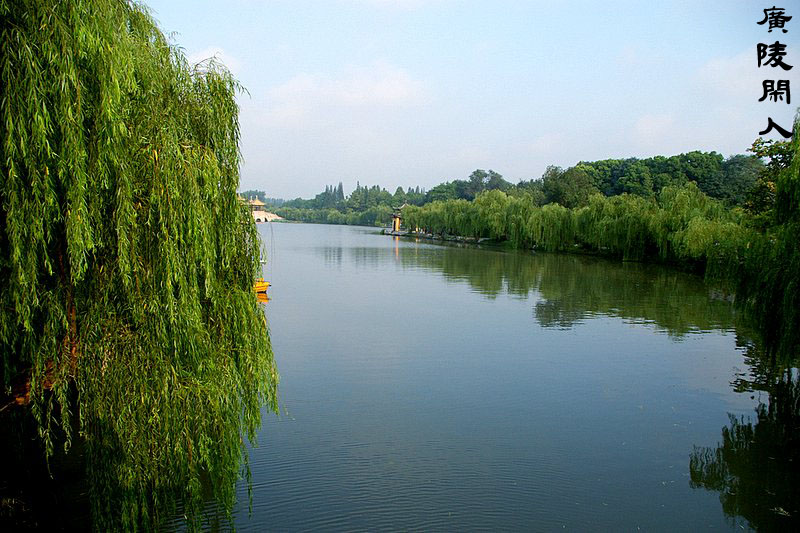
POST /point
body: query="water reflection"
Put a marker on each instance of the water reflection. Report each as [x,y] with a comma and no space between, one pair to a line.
[756,466]
[570,289]
[332,255]
[375,405]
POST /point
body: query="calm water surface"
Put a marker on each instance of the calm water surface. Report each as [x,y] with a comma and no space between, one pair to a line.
[432,387]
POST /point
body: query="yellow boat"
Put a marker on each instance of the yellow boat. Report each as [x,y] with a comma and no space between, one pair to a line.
[261,286]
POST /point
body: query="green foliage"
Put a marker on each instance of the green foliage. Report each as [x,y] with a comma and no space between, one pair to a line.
[578,187]
[769,278]
[126,259]
[365,206]
[741,175]
[760,200]
[491,209]
[637,180]
[480,181]
[552,228]
[728,180]
[432,218]
[684,225]
[372,216]
[495,182]
[451,190]
[619,225]
[769,283]
[570,188]
[332,196]
[532,189]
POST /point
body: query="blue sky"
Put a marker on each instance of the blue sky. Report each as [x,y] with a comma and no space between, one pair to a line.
[416,92]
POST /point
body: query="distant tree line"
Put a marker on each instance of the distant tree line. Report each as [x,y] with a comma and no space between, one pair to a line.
[361,199]
[261,195]
[365,206]
[728,179]
[733,181]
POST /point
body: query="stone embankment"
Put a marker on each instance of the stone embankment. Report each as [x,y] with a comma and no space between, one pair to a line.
[436,236]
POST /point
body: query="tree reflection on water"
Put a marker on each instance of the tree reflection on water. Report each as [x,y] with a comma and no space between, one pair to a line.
[755,467]
[571,288]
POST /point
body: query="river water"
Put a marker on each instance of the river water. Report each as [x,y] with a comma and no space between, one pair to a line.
[435,387]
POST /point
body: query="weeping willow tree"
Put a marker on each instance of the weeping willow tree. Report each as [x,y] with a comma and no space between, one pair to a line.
[126,260]
[770,281]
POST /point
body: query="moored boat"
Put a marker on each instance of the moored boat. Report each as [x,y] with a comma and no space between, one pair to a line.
[261,286]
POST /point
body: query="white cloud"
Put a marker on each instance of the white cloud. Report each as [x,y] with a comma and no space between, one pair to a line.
[215,52]
[727,113]
[736,78]
[466,156]
[548,143]
[307,99]
[655,129]
[379,84]
[360,122]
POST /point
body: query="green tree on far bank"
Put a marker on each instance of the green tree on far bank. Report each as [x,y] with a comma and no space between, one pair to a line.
[732,180]
[570,188]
